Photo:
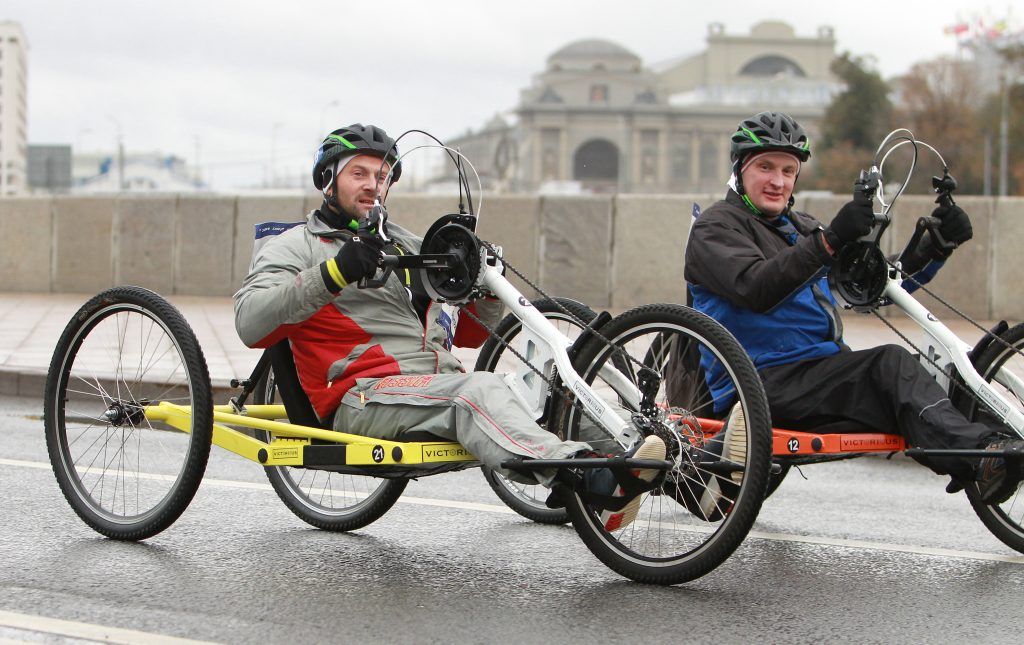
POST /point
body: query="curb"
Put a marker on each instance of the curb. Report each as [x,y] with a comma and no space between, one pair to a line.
[31,382]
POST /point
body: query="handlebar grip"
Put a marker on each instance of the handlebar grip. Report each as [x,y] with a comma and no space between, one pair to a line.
[933,225]
[387,262]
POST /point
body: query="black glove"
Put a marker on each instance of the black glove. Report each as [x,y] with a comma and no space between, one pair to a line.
[853,221]
[357,259]
[956,226]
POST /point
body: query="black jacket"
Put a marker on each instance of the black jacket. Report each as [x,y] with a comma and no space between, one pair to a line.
[772,295]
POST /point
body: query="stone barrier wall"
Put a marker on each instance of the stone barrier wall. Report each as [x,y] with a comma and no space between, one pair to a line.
[608,251]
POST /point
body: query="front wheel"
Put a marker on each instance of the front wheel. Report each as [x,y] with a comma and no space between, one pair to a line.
[569,316]
[126,473]
[720,445]
[1000,364]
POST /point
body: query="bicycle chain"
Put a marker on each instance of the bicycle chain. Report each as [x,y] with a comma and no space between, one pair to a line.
[569,396]
[586,325]
[954,381]
[920,286]
[564,391]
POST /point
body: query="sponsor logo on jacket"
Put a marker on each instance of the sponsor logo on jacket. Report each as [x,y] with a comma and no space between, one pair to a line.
[403,381]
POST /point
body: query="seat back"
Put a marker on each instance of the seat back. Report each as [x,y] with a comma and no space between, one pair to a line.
[286,379]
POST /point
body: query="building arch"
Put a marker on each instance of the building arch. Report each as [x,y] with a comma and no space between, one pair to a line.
[596,160]
[772,65]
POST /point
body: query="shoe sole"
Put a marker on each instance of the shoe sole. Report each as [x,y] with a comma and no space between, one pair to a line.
[618,520]
[734,448]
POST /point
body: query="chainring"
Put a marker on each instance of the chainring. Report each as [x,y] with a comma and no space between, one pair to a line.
[859,275]
[453,285]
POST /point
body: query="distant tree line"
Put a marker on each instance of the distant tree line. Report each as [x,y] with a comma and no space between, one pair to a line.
[941,102]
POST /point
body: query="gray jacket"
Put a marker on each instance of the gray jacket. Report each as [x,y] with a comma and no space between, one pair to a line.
[358,333]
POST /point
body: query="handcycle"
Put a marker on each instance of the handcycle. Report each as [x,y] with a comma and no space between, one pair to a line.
[130,419]
[984,380]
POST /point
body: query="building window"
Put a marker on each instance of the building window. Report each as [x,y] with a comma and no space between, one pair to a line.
[649,154]
[709,157]
[551,145]
[772,66]
[599,94]
[682,158]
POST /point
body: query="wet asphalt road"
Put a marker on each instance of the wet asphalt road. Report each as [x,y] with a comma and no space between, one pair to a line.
[862,551]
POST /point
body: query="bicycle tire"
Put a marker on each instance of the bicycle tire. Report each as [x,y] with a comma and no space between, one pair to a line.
[687,396]
[1005,521]
[528,499]
[127,348]
[676,536]
[312,494]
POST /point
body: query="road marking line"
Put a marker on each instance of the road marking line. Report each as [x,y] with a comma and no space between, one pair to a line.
[883,546]
[88,631]
[761,535]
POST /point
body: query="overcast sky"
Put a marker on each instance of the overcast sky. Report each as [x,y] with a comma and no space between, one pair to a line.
[241,82]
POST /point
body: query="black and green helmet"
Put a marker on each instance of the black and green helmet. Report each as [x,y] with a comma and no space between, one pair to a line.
[770,132]
[356,139]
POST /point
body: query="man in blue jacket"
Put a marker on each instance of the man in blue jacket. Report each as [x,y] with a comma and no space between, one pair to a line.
[760,268]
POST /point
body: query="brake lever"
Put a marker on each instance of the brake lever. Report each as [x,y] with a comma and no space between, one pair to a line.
[375,223]
[944,187]
[932,225]
[387,262]
[865,188]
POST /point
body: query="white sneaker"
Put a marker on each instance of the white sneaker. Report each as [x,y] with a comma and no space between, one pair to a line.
[652,448]
[734,449]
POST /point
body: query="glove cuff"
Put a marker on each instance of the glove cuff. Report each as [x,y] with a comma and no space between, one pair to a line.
[332,277]
[833,239]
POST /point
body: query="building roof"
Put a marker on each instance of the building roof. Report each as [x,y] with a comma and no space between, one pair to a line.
[594,49]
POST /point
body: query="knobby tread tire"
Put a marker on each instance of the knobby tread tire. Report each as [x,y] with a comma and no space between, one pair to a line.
[726,538]
[1000,523]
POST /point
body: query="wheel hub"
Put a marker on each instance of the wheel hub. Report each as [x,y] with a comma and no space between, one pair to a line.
[119,413]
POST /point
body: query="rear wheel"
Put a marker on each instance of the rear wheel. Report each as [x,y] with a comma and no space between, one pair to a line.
[327,500]
[127,474]
[998,365]
[528,499]
[711,497]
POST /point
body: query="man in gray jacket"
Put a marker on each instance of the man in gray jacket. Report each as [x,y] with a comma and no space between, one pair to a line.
[378,361]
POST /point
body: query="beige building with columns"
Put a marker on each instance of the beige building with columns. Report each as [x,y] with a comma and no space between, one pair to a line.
[598,120]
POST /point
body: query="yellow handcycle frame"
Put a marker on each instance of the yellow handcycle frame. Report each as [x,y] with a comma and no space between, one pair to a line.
[292,445]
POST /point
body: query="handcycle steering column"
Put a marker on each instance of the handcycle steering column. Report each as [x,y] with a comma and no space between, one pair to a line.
[865,279]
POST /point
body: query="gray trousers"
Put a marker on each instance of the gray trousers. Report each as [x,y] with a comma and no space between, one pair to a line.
[476,409]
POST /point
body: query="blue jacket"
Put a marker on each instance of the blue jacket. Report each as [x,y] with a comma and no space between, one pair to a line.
[770,293]
[767,284]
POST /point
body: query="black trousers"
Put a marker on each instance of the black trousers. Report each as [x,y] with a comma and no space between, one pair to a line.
[884,388]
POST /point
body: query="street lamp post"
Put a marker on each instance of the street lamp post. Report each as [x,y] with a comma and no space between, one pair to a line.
[323,115]
[273,153]
[1004,130]
[120,153]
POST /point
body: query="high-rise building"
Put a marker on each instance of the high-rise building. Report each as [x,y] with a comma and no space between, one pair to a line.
[13,109]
